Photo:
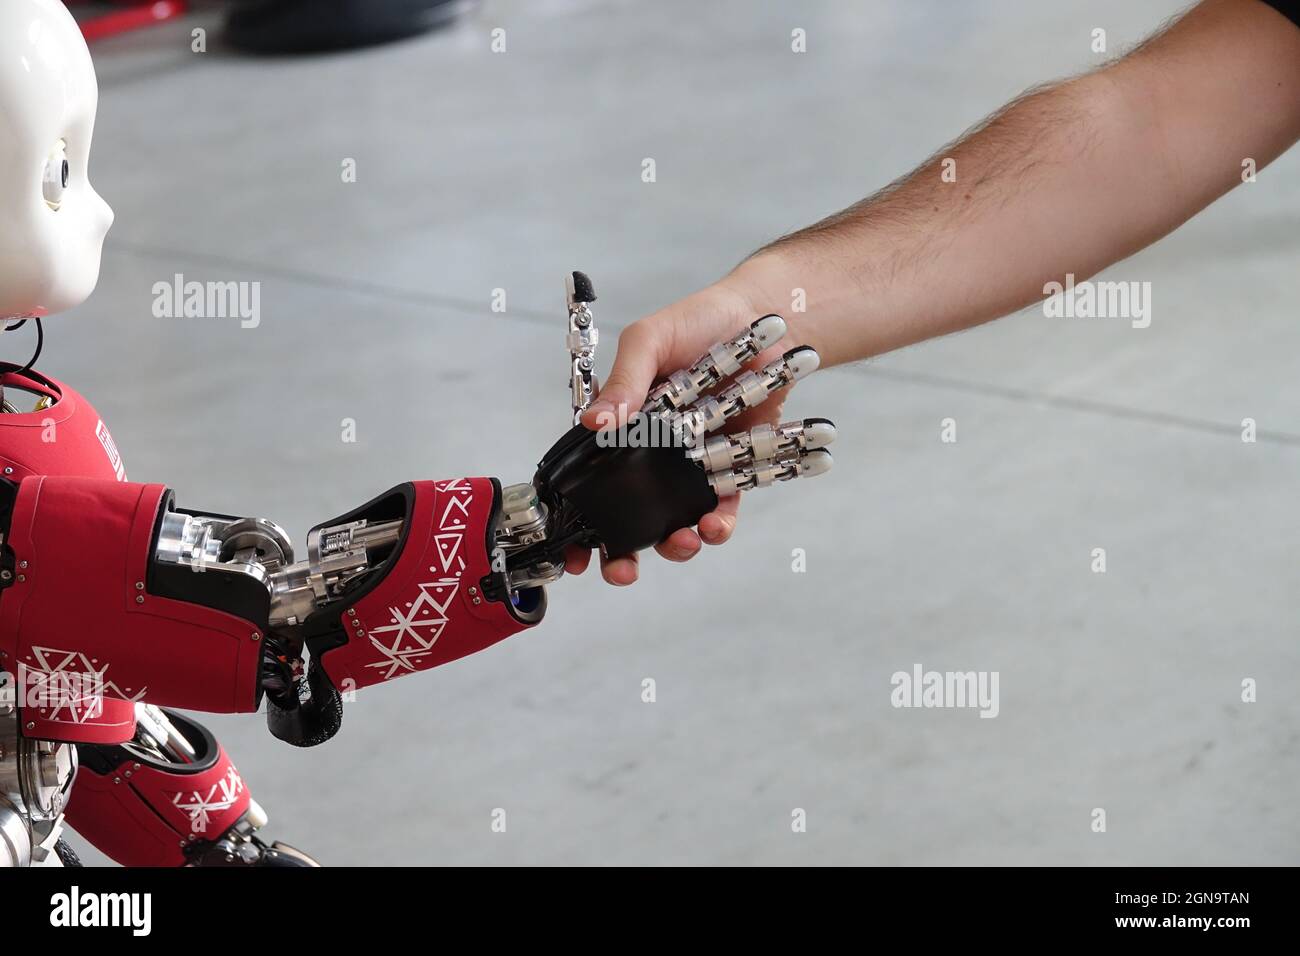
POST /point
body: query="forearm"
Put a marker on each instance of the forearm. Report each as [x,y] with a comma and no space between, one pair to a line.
[1067,179]
[112,589]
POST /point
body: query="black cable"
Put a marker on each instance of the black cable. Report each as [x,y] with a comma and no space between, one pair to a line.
[40,344]
[277,667]
[67,855]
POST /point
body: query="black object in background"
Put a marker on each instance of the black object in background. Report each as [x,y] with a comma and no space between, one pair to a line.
[315,26]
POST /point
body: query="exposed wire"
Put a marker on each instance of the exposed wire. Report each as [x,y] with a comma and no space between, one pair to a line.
[40,344]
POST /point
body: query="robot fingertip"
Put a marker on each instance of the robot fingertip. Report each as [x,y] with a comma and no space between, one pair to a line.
[802,360]
[768,330]
[818,432]
[583,291]
[816,462]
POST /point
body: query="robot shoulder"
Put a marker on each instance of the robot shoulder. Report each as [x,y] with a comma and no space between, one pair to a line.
[61,434]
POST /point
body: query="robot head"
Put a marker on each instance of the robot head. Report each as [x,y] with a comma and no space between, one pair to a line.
[52,224]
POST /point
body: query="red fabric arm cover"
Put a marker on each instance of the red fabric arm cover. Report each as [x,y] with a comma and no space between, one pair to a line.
[430,607]
[145,814]
[80,603]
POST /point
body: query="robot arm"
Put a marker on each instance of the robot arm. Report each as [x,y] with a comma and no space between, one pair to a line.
[410,580]
[147,601]
[111,588]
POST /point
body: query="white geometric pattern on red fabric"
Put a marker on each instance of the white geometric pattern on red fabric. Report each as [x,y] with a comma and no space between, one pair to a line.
[220,796]
[70,685]
[412,631]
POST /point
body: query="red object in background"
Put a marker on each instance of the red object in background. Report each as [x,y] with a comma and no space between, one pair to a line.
[130,18]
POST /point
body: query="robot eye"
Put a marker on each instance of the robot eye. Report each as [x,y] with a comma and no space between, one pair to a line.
[55,180]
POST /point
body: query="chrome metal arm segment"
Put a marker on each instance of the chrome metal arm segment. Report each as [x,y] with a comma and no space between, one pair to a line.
[522,524]
[336,554]
[203,542]
[261,550]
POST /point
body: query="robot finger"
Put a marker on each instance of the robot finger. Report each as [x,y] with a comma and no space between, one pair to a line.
[749,389]
[766,471]
[581,341]
[684,386]
[722,453]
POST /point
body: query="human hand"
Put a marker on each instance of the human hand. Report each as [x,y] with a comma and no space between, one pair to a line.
[649,349]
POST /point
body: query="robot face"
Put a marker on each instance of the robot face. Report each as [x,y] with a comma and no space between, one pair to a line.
[52,223]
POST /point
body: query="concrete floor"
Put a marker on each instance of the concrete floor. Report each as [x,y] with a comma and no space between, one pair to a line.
[478,171]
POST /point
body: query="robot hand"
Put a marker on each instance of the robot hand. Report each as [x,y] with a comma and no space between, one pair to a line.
[626,488]
[464,564]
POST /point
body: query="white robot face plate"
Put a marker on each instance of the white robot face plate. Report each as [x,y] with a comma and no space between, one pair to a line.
[52,223]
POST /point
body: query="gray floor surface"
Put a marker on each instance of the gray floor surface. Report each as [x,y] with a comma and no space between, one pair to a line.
[479,170]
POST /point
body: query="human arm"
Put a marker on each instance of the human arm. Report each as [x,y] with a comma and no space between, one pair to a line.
[1068,178]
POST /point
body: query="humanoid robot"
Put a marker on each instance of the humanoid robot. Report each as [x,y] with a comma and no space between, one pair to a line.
[117,604]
